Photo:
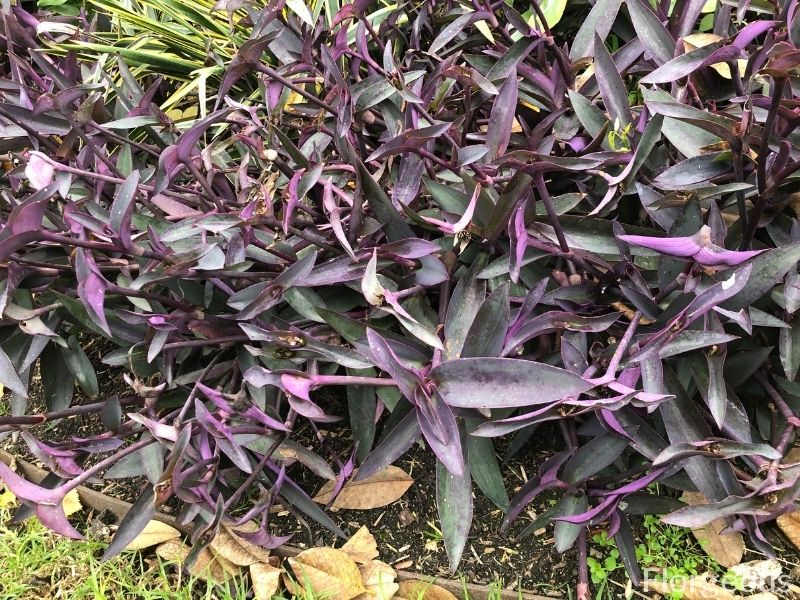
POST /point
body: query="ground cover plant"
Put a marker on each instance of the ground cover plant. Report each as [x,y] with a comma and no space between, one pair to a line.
[465,224]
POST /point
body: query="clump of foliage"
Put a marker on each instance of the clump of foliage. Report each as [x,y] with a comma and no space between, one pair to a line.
[468,227]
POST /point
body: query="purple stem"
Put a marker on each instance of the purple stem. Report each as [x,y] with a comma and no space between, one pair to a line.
[14,423]
[103,464]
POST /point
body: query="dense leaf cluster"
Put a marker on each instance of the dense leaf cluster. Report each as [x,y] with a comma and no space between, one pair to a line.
[465,225]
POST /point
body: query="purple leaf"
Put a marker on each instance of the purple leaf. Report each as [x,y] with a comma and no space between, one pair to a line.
[683,65]
[656,39]
[387,360]
[39,171]
[438,425]
[454,505]
[47,502]
[502,116]
[91,288]
[615,95]
[702,514]
[122,209]
[518,238]
[133,523]
[698,246]
[473,383]
[24,224]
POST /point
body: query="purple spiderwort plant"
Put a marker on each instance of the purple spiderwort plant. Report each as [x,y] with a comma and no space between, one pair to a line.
[462,237]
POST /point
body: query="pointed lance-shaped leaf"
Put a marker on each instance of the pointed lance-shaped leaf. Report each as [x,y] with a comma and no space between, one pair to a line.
[454,504]
[503,383]
[122,209]
[655,37]
[91,288]
[598,22]
[501,119]
[615,95]
[699,246]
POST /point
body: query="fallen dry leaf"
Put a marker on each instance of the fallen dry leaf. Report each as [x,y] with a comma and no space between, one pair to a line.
[228,566]
[762,596]
[379,579]
[790,526]
[325,571]
[206,567]
[236,549]
[72,503]
[757,574]
[698,40]
[266,580]
[697,588]
[155,532]
[380,489]
[422,590]
[362,546]
[726,549]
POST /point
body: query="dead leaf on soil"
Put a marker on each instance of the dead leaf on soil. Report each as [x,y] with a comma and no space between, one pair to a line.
[236,549]
[266,580]
[757,574]
[790,526]
[379,579]
[155,532]
[206,567]
[362,546]
[72,503]
[726,549]
[326,571]
[380,489]
[422,590]
[697,588]
[762,596]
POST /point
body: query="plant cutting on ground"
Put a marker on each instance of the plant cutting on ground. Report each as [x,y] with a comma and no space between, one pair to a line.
[458,224]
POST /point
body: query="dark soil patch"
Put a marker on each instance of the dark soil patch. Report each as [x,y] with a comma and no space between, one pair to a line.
[407,531]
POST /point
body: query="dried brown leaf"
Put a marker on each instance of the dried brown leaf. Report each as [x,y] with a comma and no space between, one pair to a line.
[236,549]
[757,574]
[72,503]
[207,567]
[173,551]
[379,579]
[375,491]
[790,526]
[327,572]
[422,590]
[362,546]
[266,580]
[155,532]
[726,549]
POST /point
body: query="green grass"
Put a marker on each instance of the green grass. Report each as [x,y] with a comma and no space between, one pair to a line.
[36,564]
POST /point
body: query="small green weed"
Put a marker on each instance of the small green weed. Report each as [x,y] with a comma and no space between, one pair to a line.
[601,569]
[670,550]
[433,533]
